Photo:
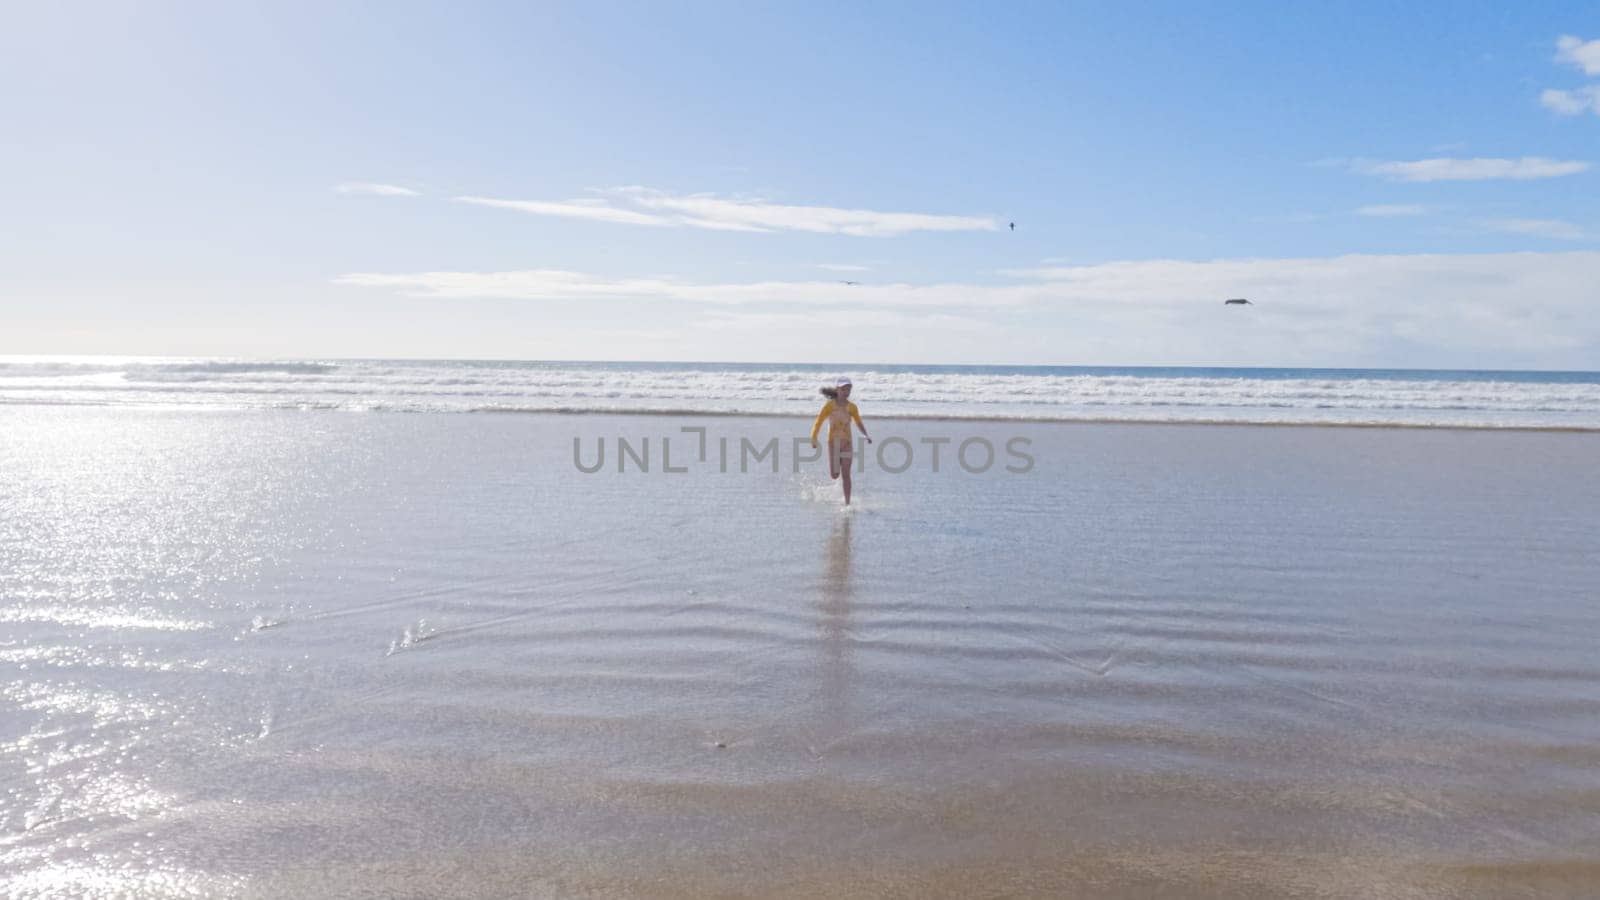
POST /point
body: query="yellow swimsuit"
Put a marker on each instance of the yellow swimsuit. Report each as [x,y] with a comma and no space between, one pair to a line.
[838,421]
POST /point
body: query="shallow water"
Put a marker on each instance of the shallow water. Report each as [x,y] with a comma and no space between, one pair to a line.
[268,653]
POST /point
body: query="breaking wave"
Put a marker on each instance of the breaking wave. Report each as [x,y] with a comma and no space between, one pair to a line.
[1321,396]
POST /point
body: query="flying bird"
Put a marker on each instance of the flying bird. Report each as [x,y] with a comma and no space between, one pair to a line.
[1013,226]
[1237,301]
[849,282]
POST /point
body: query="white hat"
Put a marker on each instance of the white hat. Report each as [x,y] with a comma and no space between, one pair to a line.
[842,381]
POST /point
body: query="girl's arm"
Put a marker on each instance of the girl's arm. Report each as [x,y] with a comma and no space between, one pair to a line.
[856,414]
[821,417]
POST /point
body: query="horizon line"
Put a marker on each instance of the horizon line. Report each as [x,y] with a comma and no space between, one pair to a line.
[64,357]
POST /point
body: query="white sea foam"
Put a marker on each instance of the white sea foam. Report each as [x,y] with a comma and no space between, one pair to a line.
[1478,399]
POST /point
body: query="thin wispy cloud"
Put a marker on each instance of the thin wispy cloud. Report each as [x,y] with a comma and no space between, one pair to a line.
[1392,210]
[781,322]
[378,190]
[1545,228]
[1574,51]
[759,214]
[561,285]
[585,208]
[1476,169]
[647,206]
[1575,102]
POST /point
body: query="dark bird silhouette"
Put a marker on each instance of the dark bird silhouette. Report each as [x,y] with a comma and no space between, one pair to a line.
[849,282]
[1237,301]
[1013,226]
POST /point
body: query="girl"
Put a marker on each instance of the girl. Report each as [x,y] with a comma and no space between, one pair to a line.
[838,412]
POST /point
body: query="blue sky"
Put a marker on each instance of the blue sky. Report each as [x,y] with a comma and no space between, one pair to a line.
[1394,185]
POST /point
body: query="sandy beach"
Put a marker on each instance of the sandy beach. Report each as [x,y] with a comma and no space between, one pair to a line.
[267,653]
[408,487]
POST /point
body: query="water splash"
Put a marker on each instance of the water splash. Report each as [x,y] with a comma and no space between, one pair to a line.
[411,637]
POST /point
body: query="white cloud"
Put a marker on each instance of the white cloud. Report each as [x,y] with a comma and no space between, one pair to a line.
[1292,281]
[1577,52]
[1479,169]
[843,318]
[1547,228]
[1575,102]
[759,214]
[844,267]
[1392,210]
[573,209]
[646,206]
[381,190]
[563,285]
[1504,308]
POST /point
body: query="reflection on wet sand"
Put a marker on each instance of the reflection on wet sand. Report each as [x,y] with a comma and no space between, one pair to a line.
[421,656]
[834,678]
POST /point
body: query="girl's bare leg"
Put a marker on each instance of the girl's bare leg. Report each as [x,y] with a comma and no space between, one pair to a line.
[844,473]
[833,460]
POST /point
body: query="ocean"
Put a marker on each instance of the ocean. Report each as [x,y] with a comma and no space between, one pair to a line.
[305,629]
[1480,399]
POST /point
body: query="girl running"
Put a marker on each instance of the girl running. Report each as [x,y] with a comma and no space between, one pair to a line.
[838,412]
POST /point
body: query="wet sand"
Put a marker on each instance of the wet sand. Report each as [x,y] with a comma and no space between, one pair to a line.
[332,654]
